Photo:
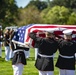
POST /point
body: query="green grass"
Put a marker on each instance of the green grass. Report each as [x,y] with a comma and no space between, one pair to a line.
[29,69]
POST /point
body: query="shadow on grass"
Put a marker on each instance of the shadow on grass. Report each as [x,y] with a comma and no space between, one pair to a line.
[31,59]
[2,59]
[3,50]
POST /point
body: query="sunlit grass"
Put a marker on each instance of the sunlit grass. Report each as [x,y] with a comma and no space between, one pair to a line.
[29,69]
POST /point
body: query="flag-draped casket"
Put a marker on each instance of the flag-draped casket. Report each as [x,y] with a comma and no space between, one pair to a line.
[22,33]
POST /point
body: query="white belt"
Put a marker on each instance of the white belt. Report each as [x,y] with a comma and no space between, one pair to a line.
[66,56]
[18,51]
[44,55]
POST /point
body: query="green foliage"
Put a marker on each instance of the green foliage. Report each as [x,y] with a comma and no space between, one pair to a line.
[8,12]
[56,12]
[57,15]
[43,15]
[29,15]
[72,19]
[67,3]
[39,4]
[37,11]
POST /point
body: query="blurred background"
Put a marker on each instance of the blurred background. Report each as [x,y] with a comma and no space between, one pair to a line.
[24,12]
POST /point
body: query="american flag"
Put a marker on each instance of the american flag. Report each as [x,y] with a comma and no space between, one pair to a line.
[21,35]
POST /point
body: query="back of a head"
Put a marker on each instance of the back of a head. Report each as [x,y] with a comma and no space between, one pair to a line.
[67,34]
[50,32]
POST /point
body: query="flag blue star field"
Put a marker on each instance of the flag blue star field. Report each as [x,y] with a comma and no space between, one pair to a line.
[20,35]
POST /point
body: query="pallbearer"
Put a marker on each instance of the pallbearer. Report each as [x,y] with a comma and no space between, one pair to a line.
[19,59]
[67,50]
[47,47]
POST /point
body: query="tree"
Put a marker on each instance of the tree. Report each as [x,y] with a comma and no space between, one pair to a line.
[56,15]
[67,3]
[43,15]
[39,4]
[8,12]
[72,19]
[29,15]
